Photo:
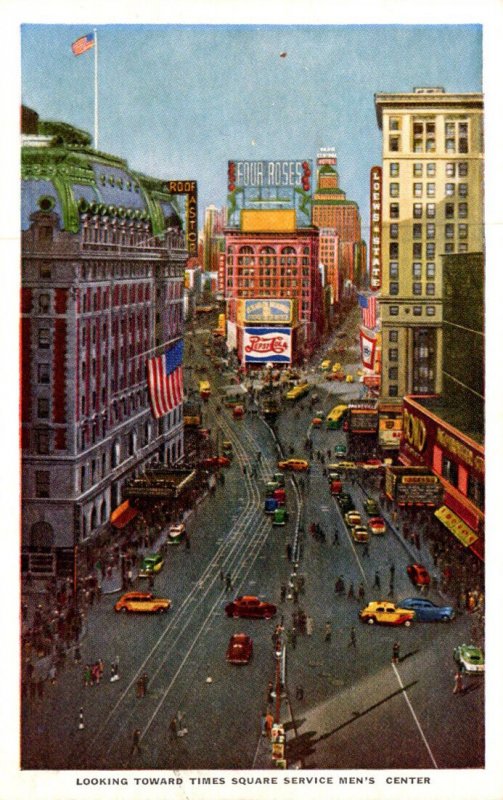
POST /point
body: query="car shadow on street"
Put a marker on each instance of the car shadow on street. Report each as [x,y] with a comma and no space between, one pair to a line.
[472,687]
[407,655]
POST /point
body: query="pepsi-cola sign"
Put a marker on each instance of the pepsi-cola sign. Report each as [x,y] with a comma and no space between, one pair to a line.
[263,345]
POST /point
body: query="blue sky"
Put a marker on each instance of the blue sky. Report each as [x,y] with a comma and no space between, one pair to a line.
[179,101]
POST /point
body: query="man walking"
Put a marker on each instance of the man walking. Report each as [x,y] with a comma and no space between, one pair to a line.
[328,631]
[352,638]
[377,580]
[228,582]
[395,658]
[459,687]
[135,745]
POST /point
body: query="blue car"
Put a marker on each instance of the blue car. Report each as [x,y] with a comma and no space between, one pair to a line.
[426,611]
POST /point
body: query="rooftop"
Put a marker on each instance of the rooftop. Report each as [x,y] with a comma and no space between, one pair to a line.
[449,410]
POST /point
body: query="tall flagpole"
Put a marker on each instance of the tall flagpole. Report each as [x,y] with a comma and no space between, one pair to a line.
[96,147]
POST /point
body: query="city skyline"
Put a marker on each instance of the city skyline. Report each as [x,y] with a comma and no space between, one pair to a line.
[198,95]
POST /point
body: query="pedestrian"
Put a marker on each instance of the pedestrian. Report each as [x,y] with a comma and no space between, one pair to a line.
[361,592]
[391,590]
[76,654]
[328,631]
[396,653]
[365,551]
[289,551]
[173,727]
[309,626]
[377,580]
[222,576]
[351,591]
[335,539]
[293,637]
[392,572]
[151,580]
[228,582]
[352,638]
[139,687]
[299,693]
[87,676]
[263,718]
[283,593]
[459,686]
[114,668]
[187,541]
[52,673]
[135,744]
[295,592]
[269,720]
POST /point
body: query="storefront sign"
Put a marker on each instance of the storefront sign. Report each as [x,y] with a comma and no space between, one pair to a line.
[414,431]
[262,185]
[262,345]
[375,227]
[456,525]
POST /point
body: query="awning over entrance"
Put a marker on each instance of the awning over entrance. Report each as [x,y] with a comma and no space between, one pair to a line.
[123,514]
[455,524]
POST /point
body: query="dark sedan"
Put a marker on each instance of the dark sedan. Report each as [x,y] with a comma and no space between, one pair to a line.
[249,606]
[240,649]
[426,611]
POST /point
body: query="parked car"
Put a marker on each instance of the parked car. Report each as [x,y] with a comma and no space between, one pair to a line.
[360,533]
[345,502]
[418,574]
[384,613]
[371,507]
[469,658]
[279,478]
[215,462]
[335,487]
[294,464]
[143,602]
[250,606]
[279,494]
[240,649]
[376,525]
[325,365]
[280,516]
[427,611]
[352,518]
[270,505]
[151,565]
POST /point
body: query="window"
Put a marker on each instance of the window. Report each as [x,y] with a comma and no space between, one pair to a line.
[43,407]
[393,373]
[417,170]
[462,210]
[417,311]
[449,231]
[462,247]
[393,230]
[430,311]
[394,189]
[450,168]
[45,270]
[463,231]
[416,288]
[393,390]
[393,288]
[44,338]
[449,247]
[393,269]
[394,123]
[462,169]
[394,169]
[394,144]
[449,189]
[393,336]
[430,189]
[42,484]
[417,210]
[393,311]
[393,249]
[449,471]
[417,230]
[430,230]
[42,442]
[463,190]
[394,210]
[416,270]
[431,170]
[449,210]
[475,491]
[430,249]
[430,210]
[417,250]
[44,302]
[393,354]
[430,269]
[43,373]
[430,289]
[417,189]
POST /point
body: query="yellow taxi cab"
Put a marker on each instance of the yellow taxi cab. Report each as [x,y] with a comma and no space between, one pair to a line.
[342,465]
[336,367]
[295,464]
[325,365]
[349,379]
[143,602]
[384,613]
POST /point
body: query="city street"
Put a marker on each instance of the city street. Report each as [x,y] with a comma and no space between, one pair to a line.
[358,710]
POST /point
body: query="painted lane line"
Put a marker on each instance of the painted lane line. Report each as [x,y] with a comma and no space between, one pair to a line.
[415,717]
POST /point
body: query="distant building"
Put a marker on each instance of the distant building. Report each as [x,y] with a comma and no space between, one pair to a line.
[432,205]
[213,237]
[103,258]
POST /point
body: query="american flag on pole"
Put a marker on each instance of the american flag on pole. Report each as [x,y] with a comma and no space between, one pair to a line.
[84,43]
[165,380]
[368,306]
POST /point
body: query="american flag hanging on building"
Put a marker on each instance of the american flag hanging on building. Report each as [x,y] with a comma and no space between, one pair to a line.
[368,306]
[165,380]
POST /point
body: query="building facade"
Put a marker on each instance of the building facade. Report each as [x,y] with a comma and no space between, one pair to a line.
[213,237]
[103,259]
[432,204]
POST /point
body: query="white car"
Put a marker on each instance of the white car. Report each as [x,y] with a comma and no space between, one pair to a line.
[176,533]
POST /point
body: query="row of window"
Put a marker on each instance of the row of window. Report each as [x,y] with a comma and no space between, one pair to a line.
[424,136]
[430,229]
[430,248]
[430,189]
[430,169]
[249,250]
[418,210]
[417,289]
[417,311]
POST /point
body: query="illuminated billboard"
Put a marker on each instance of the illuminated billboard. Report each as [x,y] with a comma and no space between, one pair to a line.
[267,310]
[375,227]
[263,345]
[269,185]
[189,189]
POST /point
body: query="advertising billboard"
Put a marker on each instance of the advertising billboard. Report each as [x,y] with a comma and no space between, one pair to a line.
[189,189]
[266,185]
[263,345]
[268,311]
[375,227]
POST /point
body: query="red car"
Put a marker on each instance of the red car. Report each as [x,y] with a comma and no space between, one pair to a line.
[249,606]
[418,574]
[215,462]
[240,649]
[376,525]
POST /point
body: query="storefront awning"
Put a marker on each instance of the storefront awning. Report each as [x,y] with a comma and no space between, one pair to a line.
[123,514]
[455,524]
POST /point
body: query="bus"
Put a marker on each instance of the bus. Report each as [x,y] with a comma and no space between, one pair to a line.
[204,389]
[298,391]
[336,417]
